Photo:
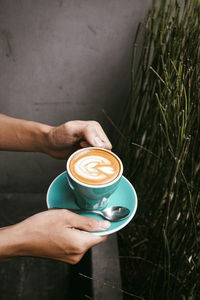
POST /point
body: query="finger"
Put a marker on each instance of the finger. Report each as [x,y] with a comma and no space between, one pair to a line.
[84,241]
[92,240]
[86,223]
[87,239]
[95,135]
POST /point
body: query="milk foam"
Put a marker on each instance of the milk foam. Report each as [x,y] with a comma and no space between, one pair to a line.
[94,167]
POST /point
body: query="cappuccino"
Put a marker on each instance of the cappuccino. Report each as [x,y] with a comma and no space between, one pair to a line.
[95,166]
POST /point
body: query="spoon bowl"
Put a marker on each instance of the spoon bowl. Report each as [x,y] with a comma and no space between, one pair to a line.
[114,213]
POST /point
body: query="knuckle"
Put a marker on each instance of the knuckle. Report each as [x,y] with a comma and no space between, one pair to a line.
[75,254]
[80,249]
[75,259]
[67,125]
[93,123]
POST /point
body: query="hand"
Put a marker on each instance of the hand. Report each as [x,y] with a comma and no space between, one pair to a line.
[59,142]
[66,138]
[55,234]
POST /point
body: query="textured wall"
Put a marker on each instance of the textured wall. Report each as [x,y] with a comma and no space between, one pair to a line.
[62,60]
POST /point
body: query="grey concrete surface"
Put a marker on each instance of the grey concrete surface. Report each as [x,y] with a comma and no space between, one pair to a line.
[62,60]
[106,277]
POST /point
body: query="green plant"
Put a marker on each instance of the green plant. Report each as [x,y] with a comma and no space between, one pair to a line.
[160,148]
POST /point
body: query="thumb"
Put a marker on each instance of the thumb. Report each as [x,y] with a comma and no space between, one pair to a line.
[86,223]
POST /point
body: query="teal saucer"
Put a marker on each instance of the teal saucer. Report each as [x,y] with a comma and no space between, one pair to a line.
[60,195]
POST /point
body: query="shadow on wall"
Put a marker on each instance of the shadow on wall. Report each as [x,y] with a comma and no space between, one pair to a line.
[62,60]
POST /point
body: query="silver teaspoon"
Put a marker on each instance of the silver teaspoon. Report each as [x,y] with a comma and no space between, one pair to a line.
[113,213]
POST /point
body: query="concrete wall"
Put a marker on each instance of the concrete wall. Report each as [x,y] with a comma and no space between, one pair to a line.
[62,60]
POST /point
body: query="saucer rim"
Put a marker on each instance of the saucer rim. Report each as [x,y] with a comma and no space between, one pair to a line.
[106,232]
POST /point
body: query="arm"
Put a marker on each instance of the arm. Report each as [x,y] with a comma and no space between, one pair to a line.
[22,135]
[59,142]
[51,234]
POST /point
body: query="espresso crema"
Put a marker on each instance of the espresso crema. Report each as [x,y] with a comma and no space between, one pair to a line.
[94,166]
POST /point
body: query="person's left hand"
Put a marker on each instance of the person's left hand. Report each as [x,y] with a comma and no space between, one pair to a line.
[66,138]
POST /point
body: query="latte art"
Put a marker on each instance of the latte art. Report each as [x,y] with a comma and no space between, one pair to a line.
[94,166]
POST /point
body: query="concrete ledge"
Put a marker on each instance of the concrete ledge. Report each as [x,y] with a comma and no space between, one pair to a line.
[106,278]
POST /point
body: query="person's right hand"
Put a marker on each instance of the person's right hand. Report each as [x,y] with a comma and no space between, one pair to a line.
[55,234]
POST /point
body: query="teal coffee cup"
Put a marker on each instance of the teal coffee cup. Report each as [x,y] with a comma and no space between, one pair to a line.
[93,174]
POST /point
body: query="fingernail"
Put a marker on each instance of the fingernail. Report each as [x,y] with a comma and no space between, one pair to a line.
[98,141]
[104,224]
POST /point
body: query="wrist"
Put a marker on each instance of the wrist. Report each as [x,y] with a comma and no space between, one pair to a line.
[42,134]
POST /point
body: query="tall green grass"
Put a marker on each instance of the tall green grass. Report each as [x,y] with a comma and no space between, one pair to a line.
[160,147]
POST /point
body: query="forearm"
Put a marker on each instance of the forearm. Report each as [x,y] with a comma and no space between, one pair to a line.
[10,243]
[22,135]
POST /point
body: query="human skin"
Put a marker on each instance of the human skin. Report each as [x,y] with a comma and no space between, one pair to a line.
[58,142]
[55,234]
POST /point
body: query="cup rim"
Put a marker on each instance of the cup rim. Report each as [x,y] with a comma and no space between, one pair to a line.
[92,185]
